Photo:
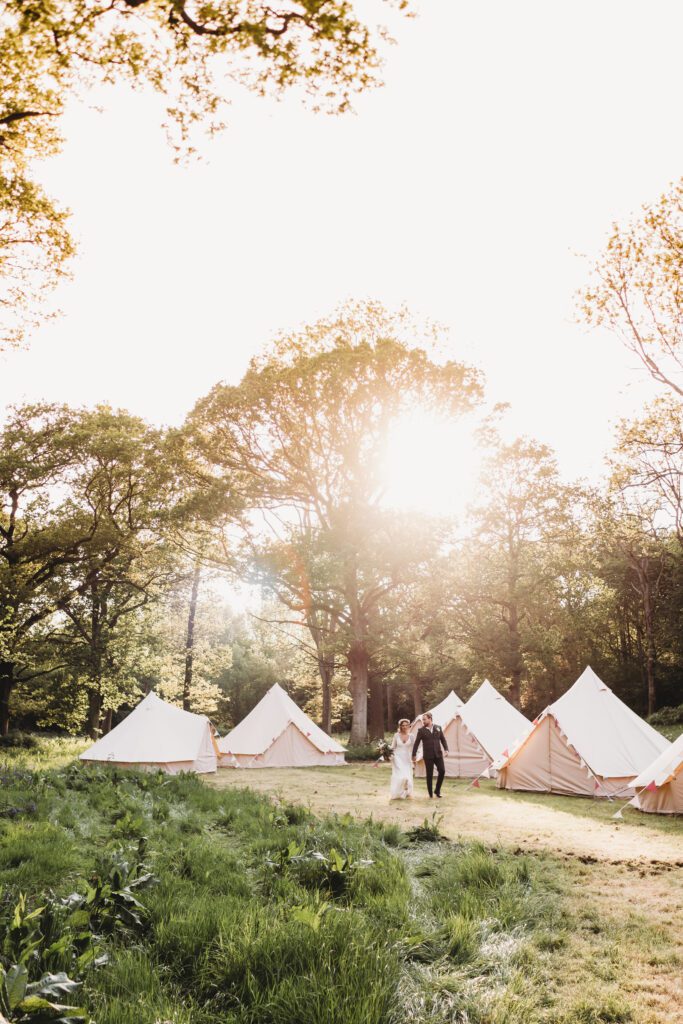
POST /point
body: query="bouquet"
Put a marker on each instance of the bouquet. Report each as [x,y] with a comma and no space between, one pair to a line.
[384,751]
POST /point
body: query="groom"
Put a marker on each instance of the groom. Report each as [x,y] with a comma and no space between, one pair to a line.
[432,739]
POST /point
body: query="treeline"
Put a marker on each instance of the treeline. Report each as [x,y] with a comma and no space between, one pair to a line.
[112,530]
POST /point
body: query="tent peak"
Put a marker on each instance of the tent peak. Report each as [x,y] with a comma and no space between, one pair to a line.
[590,678]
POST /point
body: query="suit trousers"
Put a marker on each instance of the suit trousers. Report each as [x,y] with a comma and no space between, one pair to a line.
[430,764]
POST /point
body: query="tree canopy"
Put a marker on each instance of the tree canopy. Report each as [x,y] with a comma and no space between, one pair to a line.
[117,539]
[194,54]
[637,290]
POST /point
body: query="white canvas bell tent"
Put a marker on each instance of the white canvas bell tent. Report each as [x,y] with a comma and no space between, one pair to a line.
[588,743]
[490,725]
[277,734]
[659,789]
[479,731]
[158,735]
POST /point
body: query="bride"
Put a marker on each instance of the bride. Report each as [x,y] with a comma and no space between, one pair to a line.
[401,762]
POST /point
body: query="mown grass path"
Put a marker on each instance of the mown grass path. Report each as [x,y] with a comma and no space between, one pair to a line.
[568,826]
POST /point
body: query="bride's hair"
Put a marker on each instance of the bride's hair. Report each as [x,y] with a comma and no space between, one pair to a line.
[402,720]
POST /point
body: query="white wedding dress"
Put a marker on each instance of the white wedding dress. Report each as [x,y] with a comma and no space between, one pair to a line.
[402,767]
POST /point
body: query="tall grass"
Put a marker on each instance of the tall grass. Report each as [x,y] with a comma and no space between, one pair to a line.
[263,914]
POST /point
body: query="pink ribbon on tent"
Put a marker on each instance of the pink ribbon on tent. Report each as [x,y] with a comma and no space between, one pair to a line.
[651,786]
[476,784]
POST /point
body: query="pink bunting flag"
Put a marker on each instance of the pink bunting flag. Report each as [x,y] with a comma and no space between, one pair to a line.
[506,753]
[476,784]
[597,784]
[651,786]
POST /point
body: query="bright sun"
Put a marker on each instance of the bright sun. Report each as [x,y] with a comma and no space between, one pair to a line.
[432,464]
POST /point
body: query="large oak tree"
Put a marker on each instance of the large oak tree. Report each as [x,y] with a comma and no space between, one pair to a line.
[308,428]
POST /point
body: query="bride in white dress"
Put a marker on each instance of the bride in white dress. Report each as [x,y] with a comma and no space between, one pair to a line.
[401,762]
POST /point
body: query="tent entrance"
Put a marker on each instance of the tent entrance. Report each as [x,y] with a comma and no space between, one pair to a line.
[546,764]
[290,749]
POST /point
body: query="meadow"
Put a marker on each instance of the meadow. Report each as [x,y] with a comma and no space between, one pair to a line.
[181,901]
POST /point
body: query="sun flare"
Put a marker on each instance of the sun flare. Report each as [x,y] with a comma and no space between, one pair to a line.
[432,464]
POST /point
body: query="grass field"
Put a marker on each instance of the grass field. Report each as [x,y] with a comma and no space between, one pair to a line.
[216,904]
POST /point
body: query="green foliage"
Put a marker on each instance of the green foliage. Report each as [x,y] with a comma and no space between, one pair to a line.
[333,872]
[35,245]
[22,740]
[428,831]
[667,716]
[26,1003]
[362,752]
[111,902]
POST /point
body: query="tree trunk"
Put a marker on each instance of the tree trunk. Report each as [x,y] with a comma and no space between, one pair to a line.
[417,697]
[94,713]
[6,687]
[515,692]
[358,661]
[98,606]
[515,663]
[326,674]
[105,725]
[391,725]
[322,626]
[376,711]
[189,642]
[650,646]
[651,679]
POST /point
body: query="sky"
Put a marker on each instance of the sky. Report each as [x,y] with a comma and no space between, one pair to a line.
[475,187]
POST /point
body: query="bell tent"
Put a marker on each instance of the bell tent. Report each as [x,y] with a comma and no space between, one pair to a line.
[659,789]
[158,735]
[277,734]
[479,731]
[588,743]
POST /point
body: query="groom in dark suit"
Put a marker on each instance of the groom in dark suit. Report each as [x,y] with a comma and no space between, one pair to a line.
[432,739]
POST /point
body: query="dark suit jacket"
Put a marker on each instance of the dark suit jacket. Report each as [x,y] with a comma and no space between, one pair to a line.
[432,742]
